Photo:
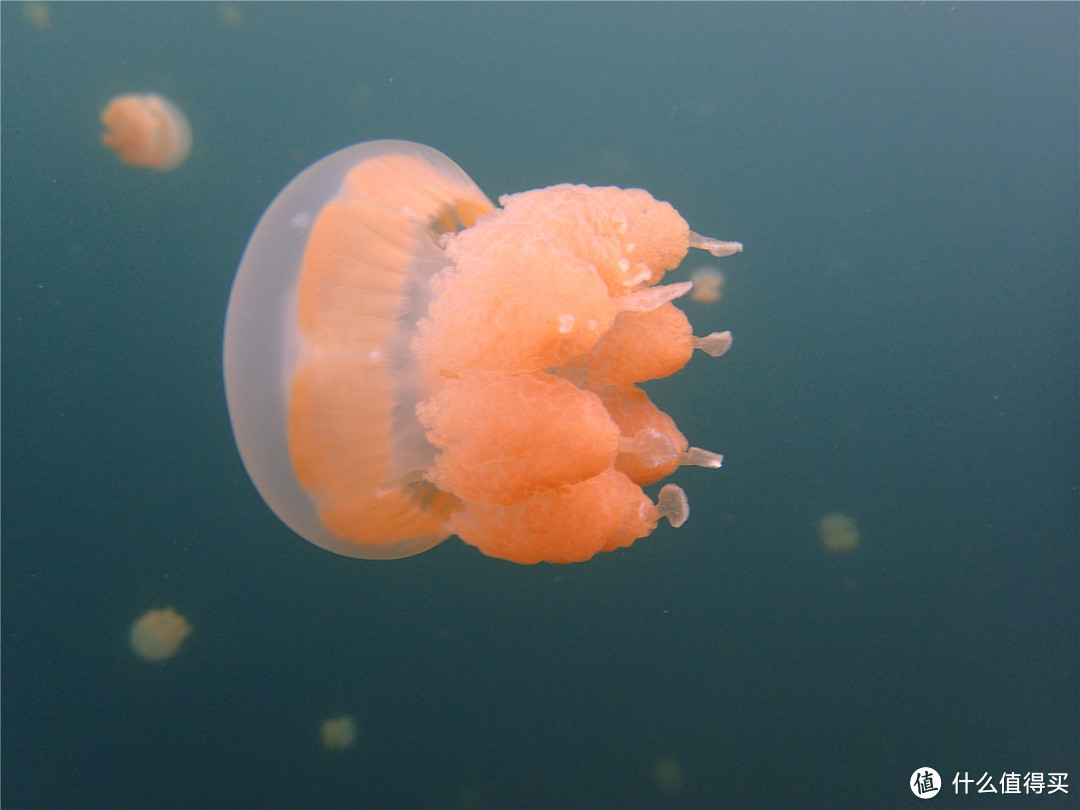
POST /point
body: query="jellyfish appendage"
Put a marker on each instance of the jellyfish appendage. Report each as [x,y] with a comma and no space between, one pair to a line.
[714,344]
[654,449]
[650,298]
[671,503]
[651,447]
[716,247]
[698,457]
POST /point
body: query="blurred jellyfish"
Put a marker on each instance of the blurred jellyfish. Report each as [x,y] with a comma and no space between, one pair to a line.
[338,732]
[158,634]
[38,15]
[231,15]
[668,775]
[838,533]
[708,284]
[147,130]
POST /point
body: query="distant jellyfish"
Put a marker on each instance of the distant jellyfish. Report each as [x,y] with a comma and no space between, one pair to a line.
[838,533]
[405,361]
[231,14]
[708,284]
[38,15]
[338,732]
[158,634]
[147,130]
[668,775]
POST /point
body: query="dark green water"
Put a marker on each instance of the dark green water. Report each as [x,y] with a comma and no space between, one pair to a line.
[905,180]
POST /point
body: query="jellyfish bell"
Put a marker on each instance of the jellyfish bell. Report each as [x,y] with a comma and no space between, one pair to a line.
[147,130]
[708,284]
[337,733]
[38,15]
[838,533]
[405,361]
[668,775]
[319,377]
[158,634]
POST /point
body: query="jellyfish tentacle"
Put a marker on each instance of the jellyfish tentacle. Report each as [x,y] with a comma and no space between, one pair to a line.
[716,247]
[651,447]
[672,504]
[652,297]
[714,344]
[697,457]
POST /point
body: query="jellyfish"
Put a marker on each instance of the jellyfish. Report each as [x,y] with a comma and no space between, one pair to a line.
[147,130]
[232,15]
[158,634]
[668,775]
[338,732]
[838,533]
[38,15]
[405,361]
[708,284]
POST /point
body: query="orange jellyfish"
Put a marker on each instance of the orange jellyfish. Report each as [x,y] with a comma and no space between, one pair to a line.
[147,130]
[158,634]
[708,285]
[405,361]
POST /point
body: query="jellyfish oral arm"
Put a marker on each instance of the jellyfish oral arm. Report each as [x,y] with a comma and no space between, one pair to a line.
[671,503]
[714,344]
[697,457]
[716,247]
[650,298]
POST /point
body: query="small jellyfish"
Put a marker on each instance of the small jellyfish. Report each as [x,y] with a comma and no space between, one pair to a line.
[405,361]
[338,732]
[232,15]
[147,130]
[838,533]
[708,284]
[38,15]
[158,634]
[668,775]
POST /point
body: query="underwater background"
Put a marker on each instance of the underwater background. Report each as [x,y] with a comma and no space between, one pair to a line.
[904,177]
